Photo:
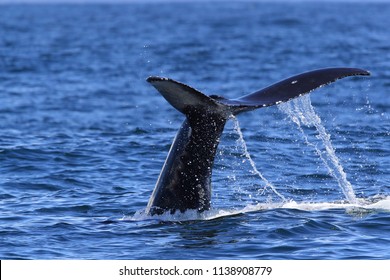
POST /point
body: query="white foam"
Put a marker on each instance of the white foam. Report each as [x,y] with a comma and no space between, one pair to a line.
[377,204]
[381,205]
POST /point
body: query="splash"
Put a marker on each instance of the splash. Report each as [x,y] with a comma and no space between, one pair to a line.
[241,143]
[376,204]
[302,113]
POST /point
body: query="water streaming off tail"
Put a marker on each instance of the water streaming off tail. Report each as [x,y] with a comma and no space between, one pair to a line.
[242,144]
[302,113]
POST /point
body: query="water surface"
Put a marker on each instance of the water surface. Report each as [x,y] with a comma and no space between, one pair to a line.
[83,136]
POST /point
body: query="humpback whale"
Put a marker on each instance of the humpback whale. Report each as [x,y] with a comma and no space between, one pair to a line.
[185,179]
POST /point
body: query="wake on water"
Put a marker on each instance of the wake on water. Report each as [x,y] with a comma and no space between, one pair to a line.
[301,112]
[373,204]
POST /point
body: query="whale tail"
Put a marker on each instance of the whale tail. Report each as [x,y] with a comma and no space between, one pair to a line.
[185,98]
[185,179]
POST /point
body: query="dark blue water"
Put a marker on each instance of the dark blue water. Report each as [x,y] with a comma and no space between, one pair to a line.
[83,136]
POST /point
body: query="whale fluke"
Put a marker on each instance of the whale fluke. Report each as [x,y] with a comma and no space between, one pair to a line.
[185,179]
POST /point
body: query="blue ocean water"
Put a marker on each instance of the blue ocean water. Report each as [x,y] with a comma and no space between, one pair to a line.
[83,137]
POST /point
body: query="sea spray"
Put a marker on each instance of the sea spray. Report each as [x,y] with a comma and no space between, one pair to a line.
[302,113]
[242,144]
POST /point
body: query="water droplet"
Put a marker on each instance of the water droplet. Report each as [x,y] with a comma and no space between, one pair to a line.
[302,113]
